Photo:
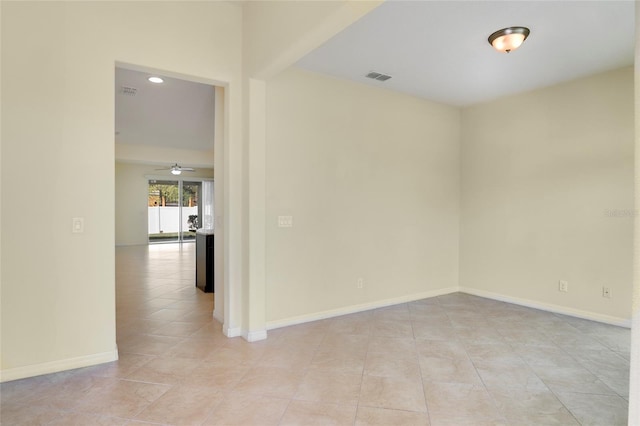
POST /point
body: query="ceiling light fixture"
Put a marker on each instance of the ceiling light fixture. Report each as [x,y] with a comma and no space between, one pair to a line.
[176,169]
[156,80]
[508,39]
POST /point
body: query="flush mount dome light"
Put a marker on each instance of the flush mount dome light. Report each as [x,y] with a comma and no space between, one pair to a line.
[508,39]
[156,80]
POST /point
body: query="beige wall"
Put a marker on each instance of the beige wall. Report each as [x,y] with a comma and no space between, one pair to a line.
[132,190]
[547,195]
[58,61]
[371,179]
[275,35]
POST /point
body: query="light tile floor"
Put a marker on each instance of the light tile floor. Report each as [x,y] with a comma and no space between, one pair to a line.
[449,360]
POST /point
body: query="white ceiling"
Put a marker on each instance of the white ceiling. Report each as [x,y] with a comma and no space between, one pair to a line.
[174,114]
[438,50]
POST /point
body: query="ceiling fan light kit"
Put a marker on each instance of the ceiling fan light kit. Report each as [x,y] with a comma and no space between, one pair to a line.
[177,169]
[508,39]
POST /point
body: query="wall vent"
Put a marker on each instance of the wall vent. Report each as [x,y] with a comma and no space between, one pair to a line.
[128,91]
[378,76]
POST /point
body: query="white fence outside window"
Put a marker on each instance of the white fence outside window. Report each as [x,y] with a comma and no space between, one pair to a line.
[165,219]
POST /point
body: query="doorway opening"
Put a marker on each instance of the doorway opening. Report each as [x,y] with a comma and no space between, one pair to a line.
[158,126]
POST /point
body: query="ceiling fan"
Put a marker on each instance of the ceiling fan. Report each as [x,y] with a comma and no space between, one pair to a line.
[176,169]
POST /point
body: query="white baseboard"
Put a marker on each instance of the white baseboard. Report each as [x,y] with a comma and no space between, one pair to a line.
[217,317]
[357,308]
[255,336]
[231,331]
[621,322]
[56,366]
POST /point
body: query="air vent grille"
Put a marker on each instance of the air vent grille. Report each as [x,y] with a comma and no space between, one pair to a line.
[378,76]
[128,91]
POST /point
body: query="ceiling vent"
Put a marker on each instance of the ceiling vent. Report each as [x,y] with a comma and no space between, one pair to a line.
[378,76]
[128,91]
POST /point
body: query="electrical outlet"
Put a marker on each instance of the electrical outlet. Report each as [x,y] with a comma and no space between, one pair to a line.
[360,283]
[563,286]
[606,292]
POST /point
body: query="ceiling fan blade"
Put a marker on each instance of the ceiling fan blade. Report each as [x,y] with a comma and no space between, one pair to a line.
[187,169]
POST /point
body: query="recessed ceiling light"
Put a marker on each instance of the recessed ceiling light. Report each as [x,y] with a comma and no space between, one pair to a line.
[508,39]
[156,80]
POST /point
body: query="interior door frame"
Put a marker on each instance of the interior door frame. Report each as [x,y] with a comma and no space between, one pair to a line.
[227,192]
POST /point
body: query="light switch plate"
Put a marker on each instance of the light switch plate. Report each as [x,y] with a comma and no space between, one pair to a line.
[77,225]
[563,286]
[285,221]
